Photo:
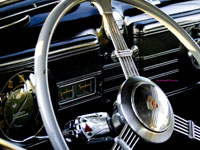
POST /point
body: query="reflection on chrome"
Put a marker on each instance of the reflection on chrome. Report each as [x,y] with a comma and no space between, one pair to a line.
[151,107]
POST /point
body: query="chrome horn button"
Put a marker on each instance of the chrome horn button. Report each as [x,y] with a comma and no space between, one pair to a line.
[145,107]
[151,106]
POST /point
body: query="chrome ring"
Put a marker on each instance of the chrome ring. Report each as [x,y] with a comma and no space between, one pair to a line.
[134,110]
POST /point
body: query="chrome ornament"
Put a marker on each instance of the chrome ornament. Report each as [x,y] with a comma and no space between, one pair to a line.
[145,107]
[151,107]
[93,125]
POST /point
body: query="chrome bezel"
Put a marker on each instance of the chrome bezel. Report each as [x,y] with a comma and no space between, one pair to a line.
[159,92]
[126,109]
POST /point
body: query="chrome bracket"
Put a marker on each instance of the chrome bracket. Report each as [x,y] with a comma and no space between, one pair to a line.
[133,52]
[191,129]
[122,143]
[116,54]
[187,127]
[123,53]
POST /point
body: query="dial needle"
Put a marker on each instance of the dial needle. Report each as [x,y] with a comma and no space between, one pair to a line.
[19,111]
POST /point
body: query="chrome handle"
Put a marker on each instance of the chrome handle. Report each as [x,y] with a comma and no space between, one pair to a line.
[27,17]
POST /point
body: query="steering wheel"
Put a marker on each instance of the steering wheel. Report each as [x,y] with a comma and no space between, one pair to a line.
[130,88]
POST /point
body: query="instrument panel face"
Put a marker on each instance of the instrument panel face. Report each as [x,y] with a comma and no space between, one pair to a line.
[19,113]
[76,90]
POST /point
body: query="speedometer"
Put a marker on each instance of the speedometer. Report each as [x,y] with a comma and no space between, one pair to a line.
[19,114]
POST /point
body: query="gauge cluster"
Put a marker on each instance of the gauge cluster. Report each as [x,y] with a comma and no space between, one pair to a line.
[19,113]
[77,90]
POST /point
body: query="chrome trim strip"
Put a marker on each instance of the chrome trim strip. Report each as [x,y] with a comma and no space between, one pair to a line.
[116,88]
[160,65]
[156,27]
[27,17]
[16,62]
[93,43]
[111,78]
[25,11]
[7,2]
[79,78]
[164,74]
[175,71]
[20,61]
[178,91]
[159,54]
[111,66]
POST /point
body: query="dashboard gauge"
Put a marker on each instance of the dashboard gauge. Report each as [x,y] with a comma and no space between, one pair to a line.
[19,113]
[77,90]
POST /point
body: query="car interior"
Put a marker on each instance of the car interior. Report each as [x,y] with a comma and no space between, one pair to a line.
[99,74]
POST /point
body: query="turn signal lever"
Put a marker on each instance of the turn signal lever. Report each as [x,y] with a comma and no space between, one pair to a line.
[91,128]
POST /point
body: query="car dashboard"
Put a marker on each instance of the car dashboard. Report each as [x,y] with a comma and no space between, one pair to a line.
[84,77]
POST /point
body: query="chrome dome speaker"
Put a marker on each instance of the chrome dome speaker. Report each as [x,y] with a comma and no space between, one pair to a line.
[145,107]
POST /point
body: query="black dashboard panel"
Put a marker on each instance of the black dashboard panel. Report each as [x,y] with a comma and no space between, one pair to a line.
[83,77]
[164,60]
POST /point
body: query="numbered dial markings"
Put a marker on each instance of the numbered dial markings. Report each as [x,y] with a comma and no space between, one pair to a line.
[19,114]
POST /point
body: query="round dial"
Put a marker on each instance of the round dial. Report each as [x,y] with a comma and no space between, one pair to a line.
[19,114]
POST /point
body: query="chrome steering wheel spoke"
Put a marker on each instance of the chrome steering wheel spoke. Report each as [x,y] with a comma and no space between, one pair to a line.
[122,52]
[126,140]
[187,127]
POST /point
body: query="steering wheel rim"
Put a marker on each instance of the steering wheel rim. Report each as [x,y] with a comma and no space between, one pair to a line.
[41,57]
